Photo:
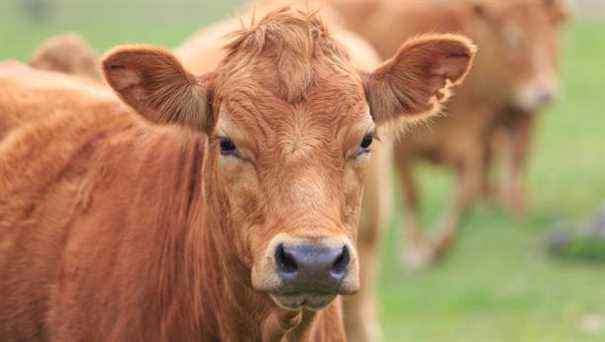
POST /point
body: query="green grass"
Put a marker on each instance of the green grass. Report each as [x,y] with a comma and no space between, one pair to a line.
[498,284]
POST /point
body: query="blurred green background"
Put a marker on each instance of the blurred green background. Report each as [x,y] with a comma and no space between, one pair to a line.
[498,284]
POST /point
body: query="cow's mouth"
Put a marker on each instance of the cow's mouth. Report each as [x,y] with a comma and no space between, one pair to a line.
[298,301]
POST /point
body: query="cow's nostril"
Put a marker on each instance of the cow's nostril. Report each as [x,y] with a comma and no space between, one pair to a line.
[545,97]
[286,263]
[339,267]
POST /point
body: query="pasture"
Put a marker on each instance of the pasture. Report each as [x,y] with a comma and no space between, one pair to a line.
[498,284]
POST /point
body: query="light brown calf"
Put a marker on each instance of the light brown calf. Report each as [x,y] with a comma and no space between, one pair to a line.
[236,221]
[515,76]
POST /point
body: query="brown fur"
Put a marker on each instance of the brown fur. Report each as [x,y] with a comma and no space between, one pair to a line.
[361,310]
[119,229]
[11,117]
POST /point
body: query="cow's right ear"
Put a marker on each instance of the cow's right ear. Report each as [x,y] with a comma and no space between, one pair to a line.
[153,82]
[416,82]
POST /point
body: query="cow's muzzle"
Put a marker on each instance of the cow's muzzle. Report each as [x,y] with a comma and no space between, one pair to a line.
[311,268]
[307,273]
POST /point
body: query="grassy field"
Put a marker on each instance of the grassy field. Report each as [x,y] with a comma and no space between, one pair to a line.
[498,285]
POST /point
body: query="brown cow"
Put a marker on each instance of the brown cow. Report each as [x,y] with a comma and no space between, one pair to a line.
[203,51]
[515,71]
[68,53]
[234,222]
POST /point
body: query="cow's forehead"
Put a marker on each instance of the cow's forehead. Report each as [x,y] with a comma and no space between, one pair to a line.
[289,78]
[332,104]
[332,93]
[288,70]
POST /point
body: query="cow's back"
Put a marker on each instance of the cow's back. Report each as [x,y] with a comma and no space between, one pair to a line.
[29,95]
[49,132]
[80,215]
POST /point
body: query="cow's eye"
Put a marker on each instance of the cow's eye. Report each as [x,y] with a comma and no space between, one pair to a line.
[364,146]
[367,141]
[228,148]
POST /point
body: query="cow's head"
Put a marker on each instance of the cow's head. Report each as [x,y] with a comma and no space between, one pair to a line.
[291,126]
[518,40]
[69,54]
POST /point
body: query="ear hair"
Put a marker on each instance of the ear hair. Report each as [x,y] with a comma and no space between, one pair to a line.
[416,82]
[153,82]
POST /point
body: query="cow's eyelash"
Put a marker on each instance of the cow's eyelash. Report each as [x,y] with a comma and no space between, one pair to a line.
[228,147]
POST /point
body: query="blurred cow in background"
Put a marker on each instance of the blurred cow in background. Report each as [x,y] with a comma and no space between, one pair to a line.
[69,54]
[516,76]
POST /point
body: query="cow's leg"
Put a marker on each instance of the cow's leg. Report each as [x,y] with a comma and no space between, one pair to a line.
[487,189]
[494,138]
[418,252]
[519,143]
[360,310]
[467,187]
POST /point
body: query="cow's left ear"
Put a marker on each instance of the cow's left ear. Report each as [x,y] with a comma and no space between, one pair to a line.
[153,82]
[415,83]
